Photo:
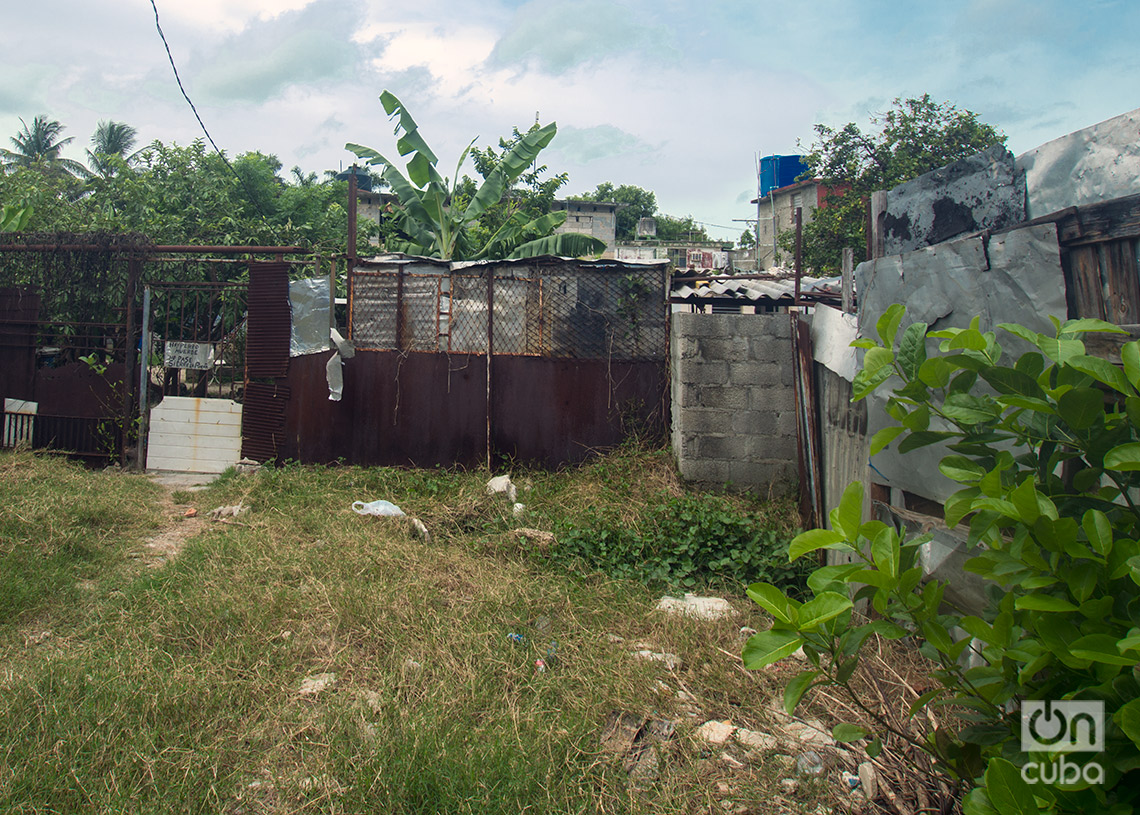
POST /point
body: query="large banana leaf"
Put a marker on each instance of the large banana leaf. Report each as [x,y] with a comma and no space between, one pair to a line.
[566,245]
[510,167]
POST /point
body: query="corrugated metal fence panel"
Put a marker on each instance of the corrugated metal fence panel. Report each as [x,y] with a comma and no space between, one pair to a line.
[263,420]
[559,411]
[19,313]
[267,336]
[398,409]
[843,426]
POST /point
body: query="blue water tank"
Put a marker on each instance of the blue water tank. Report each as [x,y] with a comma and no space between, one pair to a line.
[779,171]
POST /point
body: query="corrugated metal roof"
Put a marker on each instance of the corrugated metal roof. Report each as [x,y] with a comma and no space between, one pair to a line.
[754,289]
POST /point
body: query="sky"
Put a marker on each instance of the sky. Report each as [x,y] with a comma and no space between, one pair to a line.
[676,96]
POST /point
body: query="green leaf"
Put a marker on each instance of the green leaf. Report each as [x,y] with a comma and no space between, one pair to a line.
[1104,372]
[922,701]
[959,505]
[937,636]
[865,382]
[774,601]
[923,439]
[967,409]
[1099,530]
[820,609]
[1084,324]
[815,539]
[960,468]
[885,552]
[887,325]
[875,747]
[1130,356]
[1024,498]
[1128,719]
[848,516]
[884,437]
[1081,407]
[846,733]
[969,339]
[796,689]
[767,647]
[1043,602]
[1008,791]
[935,373]
[1100,648]
[1123,458]
[823,577]
[1012,381]
[912,349]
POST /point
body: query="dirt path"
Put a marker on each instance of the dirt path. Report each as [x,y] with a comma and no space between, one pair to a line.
[178,528]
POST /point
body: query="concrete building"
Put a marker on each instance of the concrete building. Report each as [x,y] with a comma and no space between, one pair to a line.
[595,218]
[776,214]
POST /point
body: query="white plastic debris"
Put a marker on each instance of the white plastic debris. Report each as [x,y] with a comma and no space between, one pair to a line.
[518,510]
[421,530]
[700,608]
[502,485]
[235,511]
[383,508]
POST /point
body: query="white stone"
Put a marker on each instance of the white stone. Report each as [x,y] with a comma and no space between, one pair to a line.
[812,731]
[614,638]
[700,608]
[732,762]
[672,661]
[755,740]
[715,732]
[867,780]
[518,510]
[317,683]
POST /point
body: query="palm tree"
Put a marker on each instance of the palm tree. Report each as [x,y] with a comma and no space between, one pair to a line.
[41,145]
[111,139]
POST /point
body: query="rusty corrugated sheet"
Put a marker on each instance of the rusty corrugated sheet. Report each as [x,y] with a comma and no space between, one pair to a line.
[263,421]
[425,409]
[267,335]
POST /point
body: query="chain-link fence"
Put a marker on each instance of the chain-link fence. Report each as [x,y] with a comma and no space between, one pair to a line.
[568,310]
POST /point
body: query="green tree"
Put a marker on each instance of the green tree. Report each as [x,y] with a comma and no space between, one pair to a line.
[435,216]
[914,137]
[111,141]
[680,229]
[40,144]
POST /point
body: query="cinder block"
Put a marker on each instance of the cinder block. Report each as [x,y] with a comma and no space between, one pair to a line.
[773,478]
[720,348]
[747,373]
[726,448]
[704,471]
[702,372]
[726,398]
[771,448]
[704,420]
[771,349]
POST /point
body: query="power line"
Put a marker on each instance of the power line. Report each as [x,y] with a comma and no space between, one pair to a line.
[189,101]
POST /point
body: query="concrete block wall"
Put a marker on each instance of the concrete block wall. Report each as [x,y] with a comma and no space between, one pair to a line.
[733,400]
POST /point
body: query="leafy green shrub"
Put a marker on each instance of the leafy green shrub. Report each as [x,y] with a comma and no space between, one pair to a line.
[1048,456]
[681,543]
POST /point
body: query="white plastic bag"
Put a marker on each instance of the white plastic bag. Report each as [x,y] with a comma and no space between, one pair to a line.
[377,508]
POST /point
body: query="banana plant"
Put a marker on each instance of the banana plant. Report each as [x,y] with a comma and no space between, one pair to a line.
[14,219]
[435,221]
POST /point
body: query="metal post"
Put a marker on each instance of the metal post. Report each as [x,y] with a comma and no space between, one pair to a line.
[144,380]
[799,251]
[490,351]
[352,216]
[133,274]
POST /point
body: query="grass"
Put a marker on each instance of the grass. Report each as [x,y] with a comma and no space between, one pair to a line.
[176,687]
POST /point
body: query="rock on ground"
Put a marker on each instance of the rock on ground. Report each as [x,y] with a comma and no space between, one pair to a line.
[700,608]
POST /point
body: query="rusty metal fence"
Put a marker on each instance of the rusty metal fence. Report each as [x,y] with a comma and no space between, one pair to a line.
[565,311]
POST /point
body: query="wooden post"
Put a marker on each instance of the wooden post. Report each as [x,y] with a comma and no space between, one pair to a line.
[849,281]
[878,208]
